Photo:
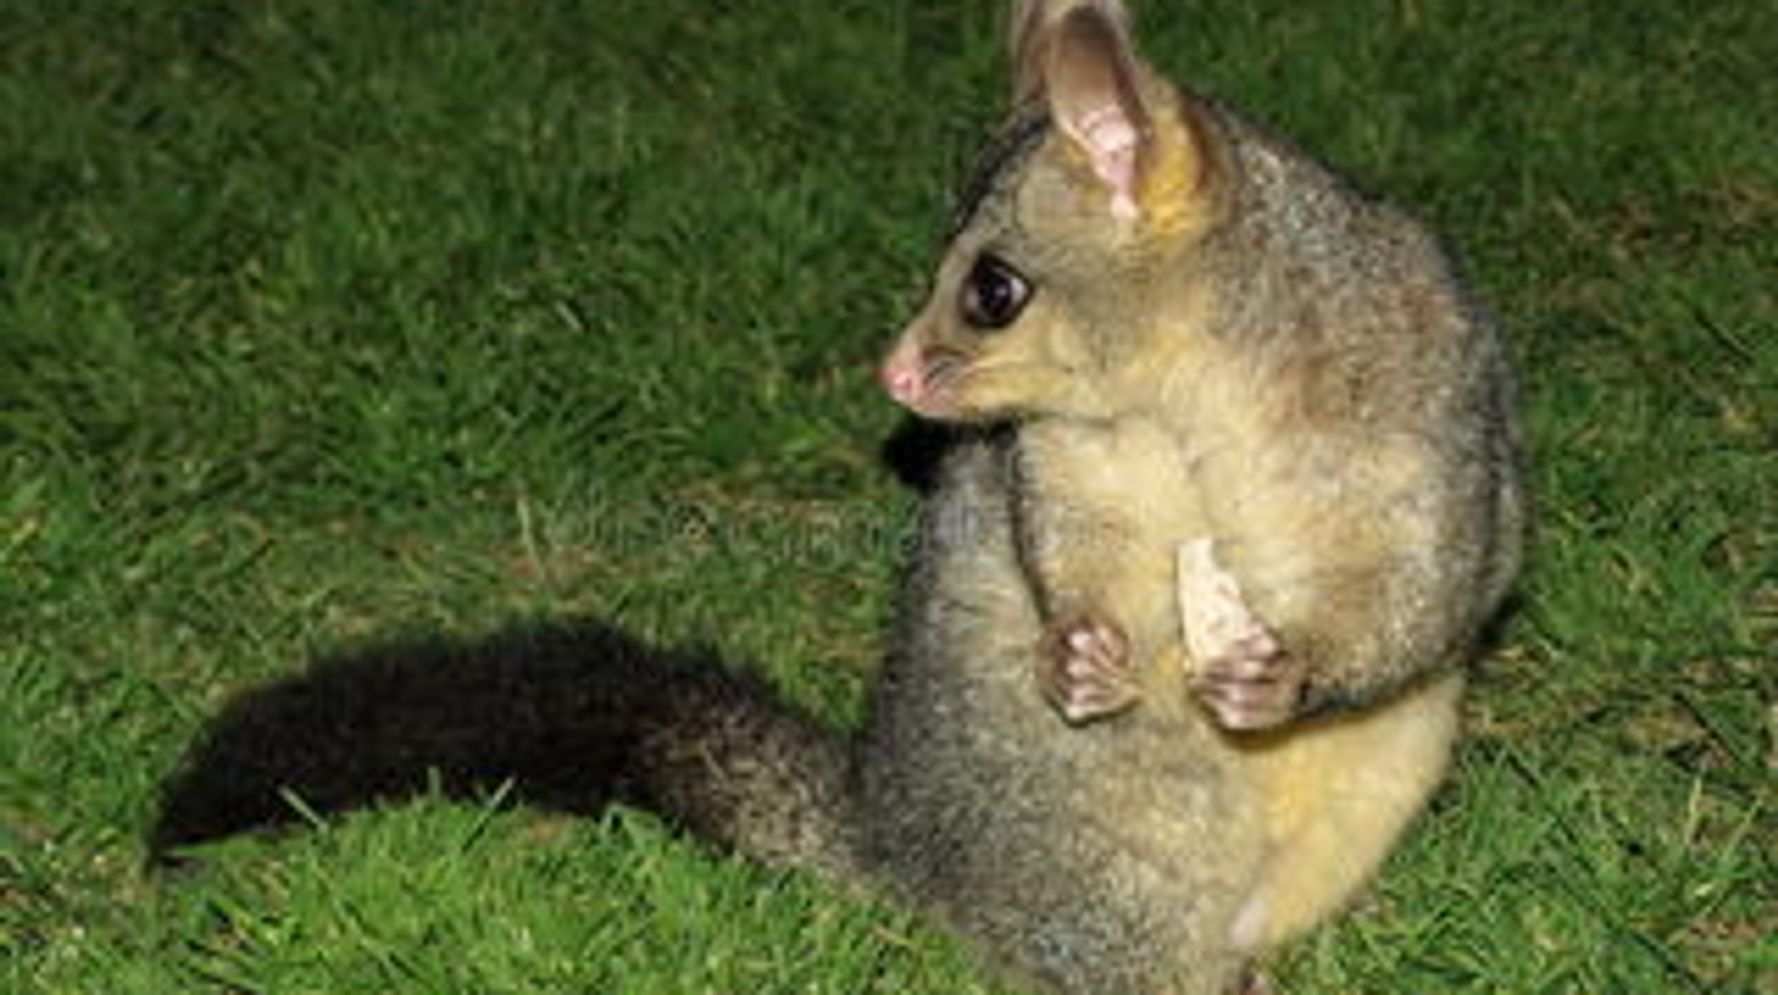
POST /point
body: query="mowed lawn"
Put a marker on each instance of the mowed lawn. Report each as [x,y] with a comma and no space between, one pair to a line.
[329,324]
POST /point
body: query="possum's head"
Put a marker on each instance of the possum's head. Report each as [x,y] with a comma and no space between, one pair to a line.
[1071,236]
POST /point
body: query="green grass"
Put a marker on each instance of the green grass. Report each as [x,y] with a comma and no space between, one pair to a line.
[325,322]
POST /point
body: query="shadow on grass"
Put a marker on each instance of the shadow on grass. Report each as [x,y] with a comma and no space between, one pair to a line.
[552,711]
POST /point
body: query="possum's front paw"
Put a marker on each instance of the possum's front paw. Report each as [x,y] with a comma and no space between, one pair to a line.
[1083,670]
[1252,684]
[1243,676]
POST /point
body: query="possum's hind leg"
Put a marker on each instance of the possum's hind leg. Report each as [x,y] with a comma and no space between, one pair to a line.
[1335,796]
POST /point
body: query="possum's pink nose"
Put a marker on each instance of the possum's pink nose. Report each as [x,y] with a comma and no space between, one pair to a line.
[902,373]
[901,381]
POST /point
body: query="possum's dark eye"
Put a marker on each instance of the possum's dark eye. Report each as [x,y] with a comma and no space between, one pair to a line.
[994,293]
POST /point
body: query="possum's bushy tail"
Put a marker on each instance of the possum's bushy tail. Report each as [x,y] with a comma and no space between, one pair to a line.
[573,717]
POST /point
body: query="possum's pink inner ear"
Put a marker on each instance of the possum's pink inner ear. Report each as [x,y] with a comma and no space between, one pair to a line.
[1090,80]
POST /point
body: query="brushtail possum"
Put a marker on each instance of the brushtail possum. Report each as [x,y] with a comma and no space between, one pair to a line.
[1180,649]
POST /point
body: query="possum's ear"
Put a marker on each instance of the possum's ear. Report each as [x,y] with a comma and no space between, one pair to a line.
[1143,141]
[1090,82]
[1033,28]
